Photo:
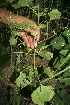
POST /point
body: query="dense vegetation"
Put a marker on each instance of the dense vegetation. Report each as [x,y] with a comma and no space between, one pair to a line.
[41,75]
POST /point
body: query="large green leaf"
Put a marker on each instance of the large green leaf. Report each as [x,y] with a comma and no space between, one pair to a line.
[22,80]
[42,94]
[54,14]
[58,42]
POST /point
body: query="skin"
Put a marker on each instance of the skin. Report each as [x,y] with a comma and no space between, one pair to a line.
[30,41]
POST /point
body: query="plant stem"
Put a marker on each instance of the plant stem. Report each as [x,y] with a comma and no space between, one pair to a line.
[34,58]
[11,55]
[62,71]
[47,29]
[47,79]
[38,13]
[38,24]
[67,58]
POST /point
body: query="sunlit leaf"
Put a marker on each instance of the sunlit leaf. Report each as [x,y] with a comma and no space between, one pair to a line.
[64,52]
[42,94]
[33,33]
[42,26]
[13,41]
[54,14]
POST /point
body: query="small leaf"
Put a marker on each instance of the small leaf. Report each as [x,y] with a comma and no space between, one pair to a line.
[45,54]
[43,47]
[66,33]
[21,3]
[33,33]
[48,72]
[42,94]
[54,14]
[64,52]
[13,41]
[42,26]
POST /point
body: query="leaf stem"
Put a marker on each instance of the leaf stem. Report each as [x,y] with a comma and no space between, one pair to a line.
[38,13]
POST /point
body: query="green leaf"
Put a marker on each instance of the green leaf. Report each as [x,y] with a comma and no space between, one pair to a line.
[68,39]
[15,97]
[54,14]
[22,3]
[13,41]
[65,80]
[43,47]
[64,52]
[33,33]
[42,94]
[58,42]
[22,80]
[45,54]
[67,33]
[10,1]
[58,61]
[41,26]
[19,26]
[48,72]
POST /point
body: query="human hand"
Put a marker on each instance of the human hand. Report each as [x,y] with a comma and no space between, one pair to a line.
[31,41]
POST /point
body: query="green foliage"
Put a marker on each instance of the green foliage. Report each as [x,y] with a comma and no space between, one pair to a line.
[54,14]
[48,72]
[13,41]
[10,1]
[65,80]
[21,3]
[47,55]
[66,33]
[56,51]
[15,99]
[19,26]
[58,42]
[23,80]
[64,52]
[42,94]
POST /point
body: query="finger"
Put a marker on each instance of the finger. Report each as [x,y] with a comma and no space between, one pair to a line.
[25,38]
[35,42]
[31,41]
